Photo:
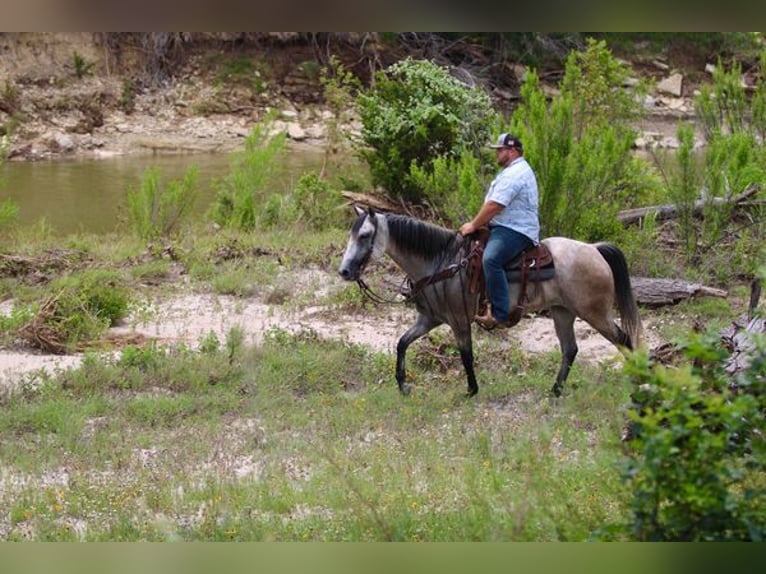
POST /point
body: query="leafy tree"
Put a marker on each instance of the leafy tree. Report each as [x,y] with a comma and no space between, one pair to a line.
[580,145]
[415,113]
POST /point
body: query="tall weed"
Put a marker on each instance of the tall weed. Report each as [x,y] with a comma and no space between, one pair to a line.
[722,106]
[243,191]
[160,211]
[453,185]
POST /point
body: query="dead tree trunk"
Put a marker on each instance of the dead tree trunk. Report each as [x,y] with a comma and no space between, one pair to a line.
[660,292]
[738,336]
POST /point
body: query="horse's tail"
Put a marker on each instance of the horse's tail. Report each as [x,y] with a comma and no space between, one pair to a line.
[626,302]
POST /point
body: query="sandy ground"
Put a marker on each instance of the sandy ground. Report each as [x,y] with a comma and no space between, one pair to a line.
[189,318]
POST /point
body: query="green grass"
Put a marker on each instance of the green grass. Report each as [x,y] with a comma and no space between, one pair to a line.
[306,439]
[301,438]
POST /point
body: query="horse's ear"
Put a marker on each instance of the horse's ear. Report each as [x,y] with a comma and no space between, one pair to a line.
[358,210]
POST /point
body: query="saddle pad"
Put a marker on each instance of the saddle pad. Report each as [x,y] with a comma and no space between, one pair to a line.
[539,264]
[533,275]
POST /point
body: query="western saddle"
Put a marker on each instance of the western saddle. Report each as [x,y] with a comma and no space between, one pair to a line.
[534,264]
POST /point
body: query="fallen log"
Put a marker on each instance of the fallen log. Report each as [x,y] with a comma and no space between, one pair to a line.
[670,211]
[660,292]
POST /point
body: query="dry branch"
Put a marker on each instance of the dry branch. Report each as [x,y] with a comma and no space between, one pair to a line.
[670,211]
[737,338]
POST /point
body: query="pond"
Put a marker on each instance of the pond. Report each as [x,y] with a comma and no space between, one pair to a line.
[89,196]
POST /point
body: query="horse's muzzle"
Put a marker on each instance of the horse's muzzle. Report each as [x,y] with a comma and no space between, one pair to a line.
[347,275]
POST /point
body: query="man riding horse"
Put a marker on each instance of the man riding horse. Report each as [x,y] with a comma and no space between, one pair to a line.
[510,210]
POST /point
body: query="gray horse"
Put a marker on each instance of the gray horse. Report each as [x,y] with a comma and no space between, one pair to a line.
[589,280]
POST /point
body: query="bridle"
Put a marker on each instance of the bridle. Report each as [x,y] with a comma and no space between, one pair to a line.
[414,288]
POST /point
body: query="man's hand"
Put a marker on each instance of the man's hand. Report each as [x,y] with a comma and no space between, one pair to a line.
[467,228]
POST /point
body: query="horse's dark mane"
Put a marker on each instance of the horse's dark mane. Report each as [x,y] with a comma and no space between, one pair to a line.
[419,237]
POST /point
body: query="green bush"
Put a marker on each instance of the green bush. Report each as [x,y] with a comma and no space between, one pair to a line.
[160,211]
[8,212]
[722,105]
[319,205]
[81,66]
[244,189]
[415,113]
[453,186]
[697,468]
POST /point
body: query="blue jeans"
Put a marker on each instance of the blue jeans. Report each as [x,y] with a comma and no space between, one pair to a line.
[503,245]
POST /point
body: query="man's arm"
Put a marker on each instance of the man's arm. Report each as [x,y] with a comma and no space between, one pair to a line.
[486,213]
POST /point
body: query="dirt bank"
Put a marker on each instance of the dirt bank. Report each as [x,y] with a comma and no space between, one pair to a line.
[68,95]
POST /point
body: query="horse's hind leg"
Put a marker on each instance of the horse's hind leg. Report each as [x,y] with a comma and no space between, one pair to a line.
[422,326]
[563,321]
[611,331]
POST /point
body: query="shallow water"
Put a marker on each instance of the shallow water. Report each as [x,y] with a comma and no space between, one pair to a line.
[88,195]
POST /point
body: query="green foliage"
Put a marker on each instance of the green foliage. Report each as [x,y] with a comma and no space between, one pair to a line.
[722,106]
[453,186]
[9,209]
[242,192]
[595,81]
[144,358]
[79,309]
[128,96]
[100,292]
[683,181]
[415,113]
[81,66]
[340,88]
[698,464]
[580,146]
[10,96]
[160,211]
[703,185]
[733,164]
[318,205]
[237,69]
[758,105]
[10,324]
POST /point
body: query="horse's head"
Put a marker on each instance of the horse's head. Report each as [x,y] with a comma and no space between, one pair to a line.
[365,242]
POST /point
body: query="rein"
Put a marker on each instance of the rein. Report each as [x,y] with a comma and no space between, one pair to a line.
[372,296]
[416,287]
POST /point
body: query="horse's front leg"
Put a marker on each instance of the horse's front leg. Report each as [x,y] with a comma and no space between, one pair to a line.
[465,344]
[422,326]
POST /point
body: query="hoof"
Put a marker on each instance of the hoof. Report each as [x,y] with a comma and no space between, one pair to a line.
[556,390]
[405,390]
